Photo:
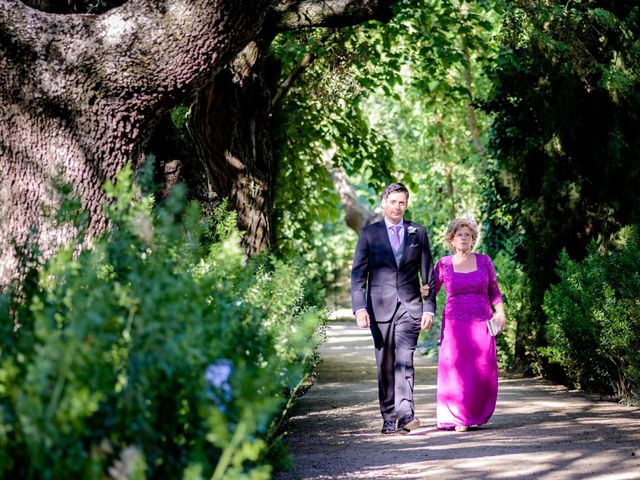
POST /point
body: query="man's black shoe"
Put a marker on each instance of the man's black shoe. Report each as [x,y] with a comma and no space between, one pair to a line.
[388,427]
[407,423]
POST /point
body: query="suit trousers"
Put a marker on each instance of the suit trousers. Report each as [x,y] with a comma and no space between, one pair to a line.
[395,343]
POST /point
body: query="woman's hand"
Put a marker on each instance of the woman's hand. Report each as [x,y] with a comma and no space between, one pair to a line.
[501,320]
[500,317]
[424,290]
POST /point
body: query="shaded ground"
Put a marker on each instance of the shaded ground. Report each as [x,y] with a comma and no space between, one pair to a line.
[539,430]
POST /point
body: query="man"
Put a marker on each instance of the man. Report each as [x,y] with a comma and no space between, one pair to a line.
[391,258]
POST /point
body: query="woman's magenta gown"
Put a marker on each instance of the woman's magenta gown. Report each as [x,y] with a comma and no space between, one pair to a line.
[467,366]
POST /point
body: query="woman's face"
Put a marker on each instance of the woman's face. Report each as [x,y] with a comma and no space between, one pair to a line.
[462,239]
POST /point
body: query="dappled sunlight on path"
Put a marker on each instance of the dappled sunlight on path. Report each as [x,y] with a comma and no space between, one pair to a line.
[539,430]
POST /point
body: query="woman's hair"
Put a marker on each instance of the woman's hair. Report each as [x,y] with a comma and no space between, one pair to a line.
[456,225]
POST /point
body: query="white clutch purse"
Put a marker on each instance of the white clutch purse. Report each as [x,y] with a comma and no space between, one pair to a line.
[492,325]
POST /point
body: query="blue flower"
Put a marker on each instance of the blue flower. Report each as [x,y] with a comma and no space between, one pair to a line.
[216,378]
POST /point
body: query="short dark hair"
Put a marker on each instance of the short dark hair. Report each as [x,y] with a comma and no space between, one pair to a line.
[394,187]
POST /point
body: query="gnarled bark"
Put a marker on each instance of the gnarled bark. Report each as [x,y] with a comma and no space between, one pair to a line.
[297,14]
[80,95]
[229,122]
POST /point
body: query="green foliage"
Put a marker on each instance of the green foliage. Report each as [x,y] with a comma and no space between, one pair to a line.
[513,287]
[593,326]
[566,97]
[321,125]
[179,119]
[162,351]
[384,102]
[444,49]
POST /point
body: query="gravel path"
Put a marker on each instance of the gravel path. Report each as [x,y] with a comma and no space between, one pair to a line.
[539,430]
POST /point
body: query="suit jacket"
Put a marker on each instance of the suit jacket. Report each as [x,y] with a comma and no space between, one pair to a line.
[377,281]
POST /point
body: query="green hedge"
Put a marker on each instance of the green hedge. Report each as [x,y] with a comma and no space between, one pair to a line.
[593,325]
[512,283]
[161,352]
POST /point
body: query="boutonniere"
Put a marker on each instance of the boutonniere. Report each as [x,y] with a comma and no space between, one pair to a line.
[412,230]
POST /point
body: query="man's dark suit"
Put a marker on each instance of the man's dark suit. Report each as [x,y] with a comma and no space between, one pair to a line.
[390,292]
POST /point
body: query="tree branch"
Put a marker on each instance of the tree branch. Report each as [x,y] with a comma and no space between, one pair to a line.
[357,215]
[294,75]
[297,14]
[471,112]
[139,49]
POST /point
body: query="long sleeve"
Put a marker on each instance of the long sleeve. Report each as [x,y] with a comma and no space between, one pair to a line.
[494,290]
[360,274]
[439,277]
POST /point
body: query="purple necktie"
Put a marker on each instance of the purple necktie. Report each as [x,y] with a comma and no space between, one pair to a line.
[395,237]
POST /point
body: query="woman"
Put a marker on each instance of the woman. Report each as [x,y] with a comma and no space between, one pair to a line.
[467,366]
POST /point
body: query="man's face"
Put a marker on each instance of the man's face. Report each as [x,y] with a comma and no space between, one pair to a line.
[394,206]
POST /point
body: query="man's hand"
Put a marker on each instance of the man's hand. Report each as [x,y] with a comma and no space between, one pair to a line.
[362,319]
[426,322]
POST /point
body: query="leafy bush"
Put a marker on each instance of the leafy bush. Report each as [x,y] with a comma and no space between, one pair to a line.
[511,280]
[161,352]
[593,315]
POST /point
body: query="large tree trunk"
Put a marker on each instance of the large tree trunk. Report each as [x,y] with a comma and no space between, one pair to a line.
[230,125]
[80,94]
